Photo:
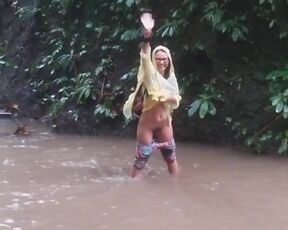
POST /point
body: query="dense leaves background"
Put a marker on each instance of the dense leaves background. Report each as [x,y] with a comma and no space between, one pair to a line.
[230,58]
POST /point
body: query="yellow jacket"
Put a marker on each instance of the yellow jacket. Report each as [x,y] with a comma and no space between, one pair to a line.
[159,89]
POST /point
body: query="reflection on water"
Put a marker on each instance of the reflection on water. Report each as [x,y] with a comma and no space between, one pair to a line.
[67,182]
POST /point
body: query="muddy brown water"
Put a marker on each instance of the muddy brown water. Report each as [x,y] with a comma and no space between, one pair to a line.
[51,182]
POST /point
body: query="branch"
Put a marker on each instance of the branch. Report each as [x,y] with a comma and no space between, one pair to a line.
[268,125]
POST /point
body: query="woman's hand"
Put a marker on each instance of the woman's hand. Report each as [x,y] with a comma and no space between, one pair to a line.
[148,24]
[137,106]
[171,100]
[147,21]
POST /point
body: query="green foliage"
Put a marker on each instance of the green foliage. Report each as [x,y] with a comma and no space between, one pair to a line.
[278,89]
[130,35]
[221,21]
[26,12]
[101,34]
[204,104]
[105,109]
[3,62]
[274,12]
[274,132]
[280,102]
[90,57]
[83,87]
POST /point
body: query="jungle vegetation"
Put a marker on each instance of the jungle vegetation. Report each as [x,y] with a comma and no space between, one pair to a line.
[230,56]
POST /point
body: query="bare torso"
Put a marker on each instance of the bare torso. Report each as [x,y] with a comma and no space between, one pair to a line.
[155,118]
[154,123]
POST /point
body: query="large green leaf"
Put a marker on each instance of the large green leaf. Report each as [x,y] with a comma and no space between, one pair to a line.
[129,35]
[279,107]
[194,107]
[203,109]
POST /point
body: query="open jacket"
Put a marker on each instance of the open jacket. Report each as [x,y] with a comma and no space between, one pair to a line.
[158,88]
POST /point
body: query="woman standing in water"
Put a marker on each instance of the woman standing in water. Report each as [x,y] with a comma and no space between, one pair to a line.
[156,76]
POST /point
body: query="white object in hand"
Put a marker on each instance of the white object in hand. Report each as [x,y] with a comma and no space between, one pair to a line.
[147,21]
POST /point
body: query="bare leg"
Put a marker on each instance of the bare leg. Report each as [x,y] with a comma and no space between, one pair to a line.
[173,168]
[136,172]
[166,134]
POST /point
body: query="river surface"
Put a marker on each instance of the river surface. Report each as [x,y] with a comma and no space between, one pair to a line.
[69,182]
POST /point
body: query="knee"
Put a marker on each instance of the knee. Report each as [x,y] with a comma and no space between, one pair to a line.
[140,163]
[169,153]
[142,155]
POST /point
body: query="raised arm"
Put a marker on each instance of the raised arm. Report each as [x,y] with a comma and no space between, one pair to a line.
[148,24]
[145,55]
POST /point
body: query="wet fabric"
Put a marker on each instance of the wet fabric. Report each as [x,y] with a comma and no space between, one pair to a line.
[159,89]
[143,152]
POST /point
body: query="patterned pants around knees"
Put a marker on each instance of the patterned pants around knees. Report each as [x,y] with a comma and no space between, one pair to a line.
[143,152]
